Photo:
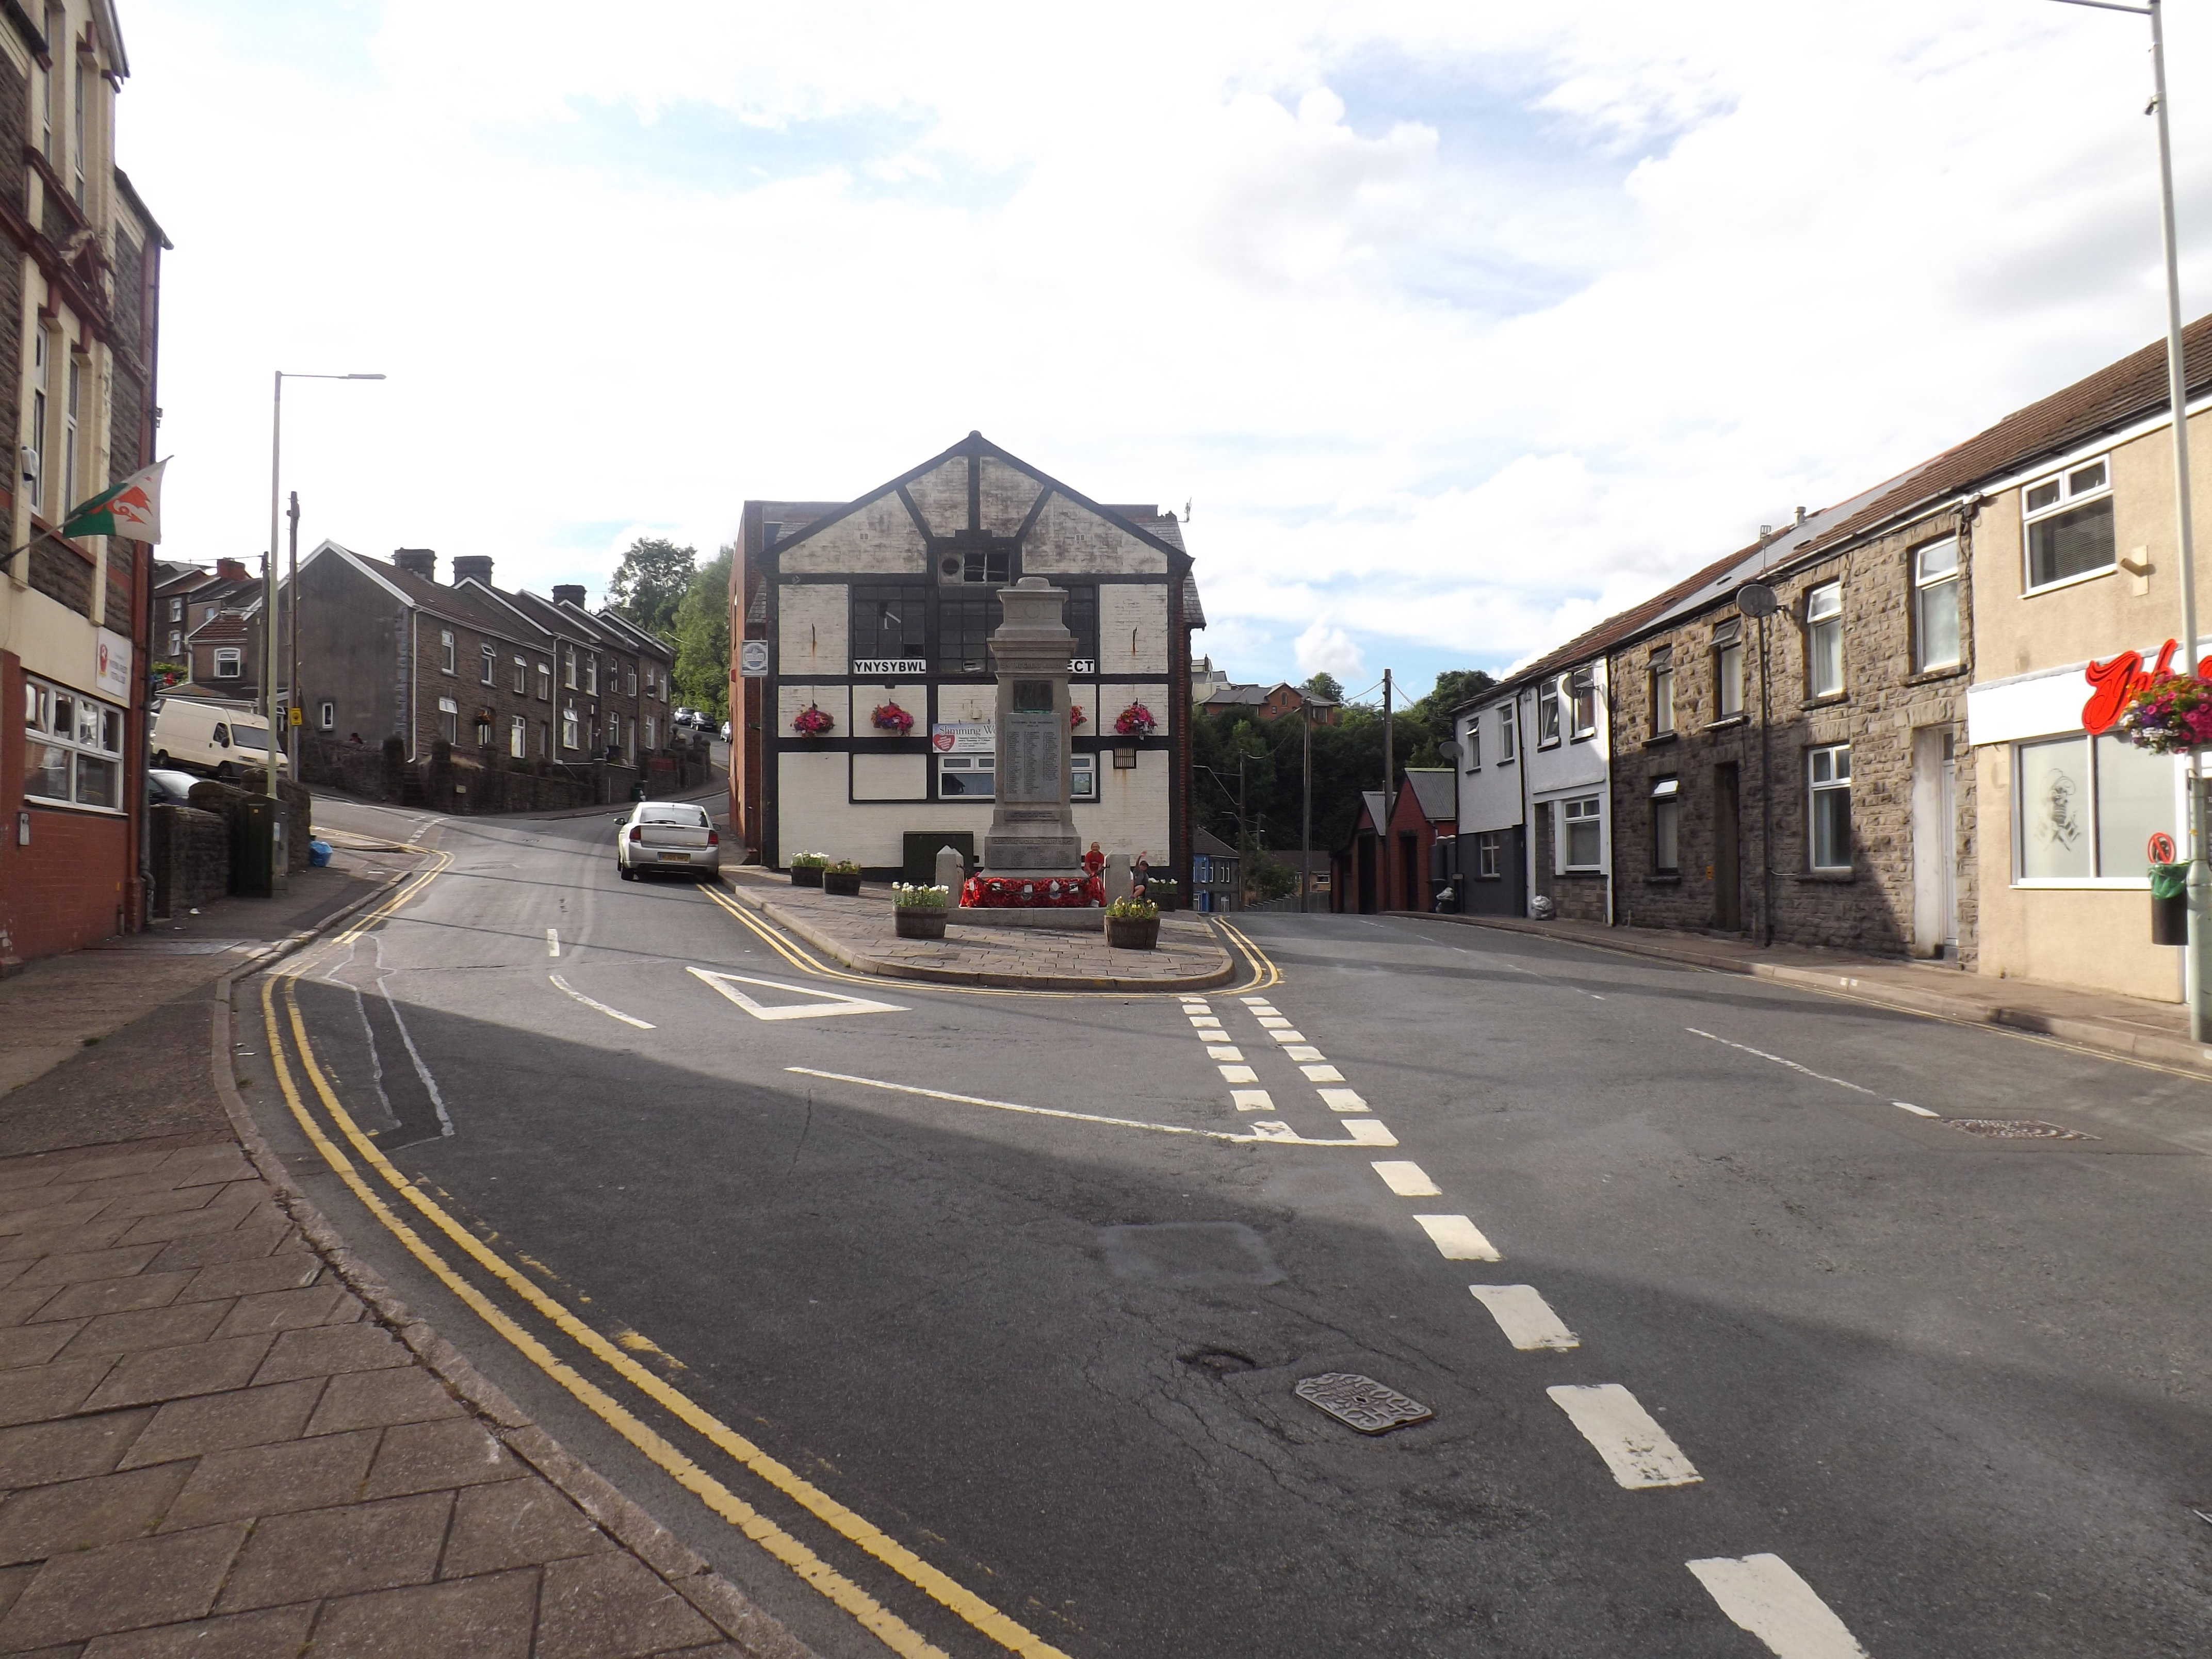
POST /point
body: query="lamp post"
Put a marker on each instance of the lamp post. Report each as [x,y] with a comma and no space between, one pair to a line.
[2197,958]
[269,571]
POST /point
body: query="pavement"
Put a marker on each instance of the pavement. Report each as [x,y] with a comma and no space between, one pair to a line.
[221,1433]
[862,934]
[2154,1032]
[1735,1318]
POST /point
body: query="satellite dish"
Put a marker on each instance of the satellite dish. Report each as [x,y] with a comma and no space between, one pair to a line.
[1449,749]
[1757,600]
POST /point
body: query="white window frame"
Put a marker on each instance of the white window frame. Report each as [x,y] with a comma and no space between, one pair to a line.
[1571,814]
[2069,495]
[1485,855]
[568,669]
[1924,587]
[1666,797]
[1581,699]
[1823,780]
[2093,814]
[176,610]
[630,682]
[1472,743]
[1506,731]
[42,351]
[1547,713]
[449,720]
[1083,775]
[592,675]
[1662,696]
[229,662]
[1823,627]
[522,676]
[445,650]
[544,682]
[94,738]
[176,643]
[518,736]
[327,717]
[1728,676]
[570,732]
[967,767]
[491,661]
[72,400]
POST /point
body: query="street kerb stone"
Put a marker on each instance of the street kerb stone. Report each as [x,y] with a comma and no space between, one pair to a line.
[273,1633]
[609,1607]
[487,1617]
[339,1552]
[78,1515]
[126,1586]
[281,1477]
[516,1523]
[223,1422]
[38,1453]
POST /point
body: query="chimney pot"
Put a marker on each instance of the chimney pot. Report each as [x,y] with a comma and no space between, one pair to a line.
[231,570]
[472,567]
[569,594]
[417,562]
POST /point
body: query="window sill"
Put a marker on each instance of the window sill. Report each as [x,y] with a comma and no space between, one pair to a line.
[1662,740]
[1726,721]
[1829,877]
[1956,671]
[1675,880]
[1833,699]
[1583,737]
[47,803]
[2111,569]
[1583,871]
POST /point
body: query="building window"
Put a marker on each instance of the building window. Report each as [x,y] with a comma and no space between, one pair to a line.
[630,682]
[1547,713]
[1485,855]
[967,777]
[522,677]
[81,97]
[445,649]
[491,665]
[1582,686]
[327,717]
[2069,524]
[1582,823]
[518,737]
[70,403]
[544,682]
[1474,745]
[176,642]
[889,624]
[1727,671]
[55,26]
[1506,732]
[176,610]
[1666,826]
[592,675]
[964,622]
[1829,780]
[2085,809]
[41,351]
[449,720]
[1083,777]
[1663,693]
[1824,641]
[652,741]
[73,753]
[1936,605]
[570,735]
[229,662]
[484,729]
[568,666]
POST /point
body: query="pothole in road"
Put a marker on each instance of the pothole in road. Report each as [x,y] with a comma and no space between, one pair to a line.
[1220,1362]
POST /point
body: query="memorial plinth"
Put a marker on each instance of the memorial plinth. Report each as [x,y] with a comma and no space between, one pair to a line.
[1032,823]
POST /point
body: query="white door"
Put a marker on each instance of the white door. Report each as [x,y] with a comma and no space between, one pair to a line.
[1934,843]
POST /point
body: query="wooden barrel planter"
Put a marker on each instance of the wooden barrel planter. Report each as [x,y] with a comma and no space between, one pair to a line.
[1132,932]
[805,875]
[846,882]
[915,922]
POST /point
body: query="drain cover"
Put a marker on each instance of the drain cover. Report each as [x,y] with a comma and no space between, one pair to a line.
[2013,1128]
[1361,1401]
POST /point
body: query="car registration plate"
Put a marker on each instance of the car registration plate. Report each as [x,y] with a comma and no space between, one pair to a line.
[675,857]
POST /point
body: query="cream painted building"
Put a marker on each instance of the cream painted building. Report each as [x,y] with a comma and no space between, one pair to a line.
[887,602]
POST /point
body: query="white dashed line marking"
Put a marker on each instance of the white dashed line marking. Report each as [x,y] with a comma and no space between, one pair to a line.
[1342,1100]
[1634,1446]
[567,989]
[1273,1023]
[552,941]
[1456,1237]
[1322,1073]
[1765,1595]
[1239,1074]
[1822,1077]
[1917,1111]
[1253,1100]
[1524,1316]
[1407,1180]
[1224,1051]
[1366,1132]
[1301,1052]
[1254,1002]
[1287,1036]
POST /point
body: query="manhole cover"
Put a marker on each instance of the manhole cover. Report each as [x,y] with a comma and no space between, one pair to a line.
[2013,1128]
[1361,1401]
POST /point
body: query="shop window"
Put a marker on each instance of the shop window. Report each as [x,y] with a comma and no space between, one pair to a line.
[1829,778]
[1582,830]
[1666,826]
[1727,671]
[1936,605]
[1582,687]
[968,777]
[1547,713]
[1824,641]
[73,747]
[1663,693]
[2085,810]
[2069,517]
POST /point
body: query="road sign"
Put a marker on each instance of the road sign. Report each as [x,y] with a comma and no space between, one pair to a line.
[752,659]
[2161,848]
[297,718]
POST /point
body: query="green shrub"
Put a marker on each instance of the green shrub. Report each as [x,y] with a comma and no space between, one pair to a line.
[846,867]
[1131,910]
[810,861]
[910,897]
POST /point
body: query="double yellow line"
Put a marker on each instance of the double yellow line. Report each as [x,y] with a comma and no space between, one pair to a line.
[407,889]
[893,1632]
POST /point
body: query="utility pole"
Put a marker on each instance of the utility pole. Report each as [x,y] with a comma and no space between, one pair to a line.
[1305,805]
[1389,787]
[1243,848]
[292,620]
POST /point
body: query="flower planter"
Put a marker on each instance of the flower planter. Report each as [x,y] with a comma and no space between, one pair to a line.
[915,922]
[1132,932]
[805,875]
[848,883]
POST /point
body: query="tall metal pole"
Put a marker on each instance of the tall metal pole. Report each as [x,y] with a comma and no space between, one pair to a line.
[292,626]
[269,591]
[1765,800]
[2196,970]
[1389,787]
[1305,806]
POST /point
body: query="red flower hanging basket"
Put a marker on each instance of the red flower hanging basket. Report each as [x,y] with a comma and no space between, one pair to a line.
[890,717]
[813,722]
[1135,722]
[1076,716]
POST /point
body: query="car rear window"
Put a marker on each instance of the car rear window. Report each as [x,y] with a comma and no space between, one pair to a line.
[690,816]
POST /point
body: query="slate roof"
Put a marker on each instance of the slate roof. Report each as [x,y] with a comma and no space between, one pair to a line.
[1435,792]
[453,604]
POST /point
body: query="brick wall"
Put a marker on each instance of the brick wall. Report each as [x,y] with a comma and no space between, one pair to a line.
[191,858]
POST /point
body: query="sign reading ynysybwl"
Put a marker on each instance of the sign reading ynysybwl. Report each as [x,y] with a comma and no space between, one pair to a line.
[873,665]
[130,509]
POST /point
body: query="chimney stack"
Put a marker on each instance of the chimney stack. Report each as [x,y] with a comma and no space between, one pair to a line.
[471,567]
[231,570]
[417,562]
[569,594]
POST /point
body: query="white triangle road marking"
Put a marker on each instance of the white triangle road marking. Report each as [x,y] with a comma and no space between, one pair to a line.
[825,1003]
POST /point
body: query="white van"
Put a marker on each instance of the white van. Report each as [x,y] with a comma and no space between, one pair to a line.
[209,736]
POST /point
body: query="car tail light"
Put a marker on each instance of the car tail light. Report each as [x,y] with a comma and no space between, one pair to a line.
[636,833]
[713,838]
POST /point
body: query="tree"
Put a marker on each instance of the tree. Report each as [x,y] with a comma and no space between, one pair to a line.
[1454,687]
[651,582]
[701,623]
[1324,685]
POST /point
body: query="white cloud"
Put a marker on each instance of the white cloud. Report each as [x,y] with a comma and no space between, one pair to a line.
[1462,324]
[1322,649]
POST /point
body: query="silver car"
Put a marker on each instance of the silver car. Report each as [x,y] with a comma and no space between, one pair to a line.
[675,836]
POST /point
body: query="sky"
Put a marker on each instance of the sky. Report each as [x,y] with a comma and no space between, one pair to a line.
[1458,326]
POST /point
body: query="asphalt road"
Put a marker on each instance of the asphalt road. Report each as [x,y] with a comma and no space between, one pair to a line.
[1945,1391]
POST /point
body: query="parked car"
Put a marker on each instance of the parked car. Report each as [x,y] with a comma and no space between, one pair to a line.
[210,737]
[167,786]
[670,835]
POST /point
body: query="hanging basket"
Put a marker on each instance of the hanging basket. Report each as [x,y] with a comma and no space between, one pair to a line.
[2169,716]
[813,722]
[1135,722]
[890,717]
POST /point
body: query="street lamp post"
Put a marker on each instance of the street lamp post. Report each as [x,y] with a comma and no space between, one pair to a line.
[269,572]
[2197,958]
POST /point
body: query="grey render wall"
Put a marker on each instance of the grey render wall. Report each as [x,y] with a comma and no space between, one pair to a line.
[353,639]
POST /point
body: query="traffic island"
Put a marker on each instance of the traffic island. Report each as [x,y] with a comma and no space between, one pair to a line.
[1046,950]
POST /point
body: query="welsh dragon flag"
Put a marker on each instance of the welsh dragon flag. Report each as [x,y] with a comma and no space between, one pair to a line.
[130,509]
